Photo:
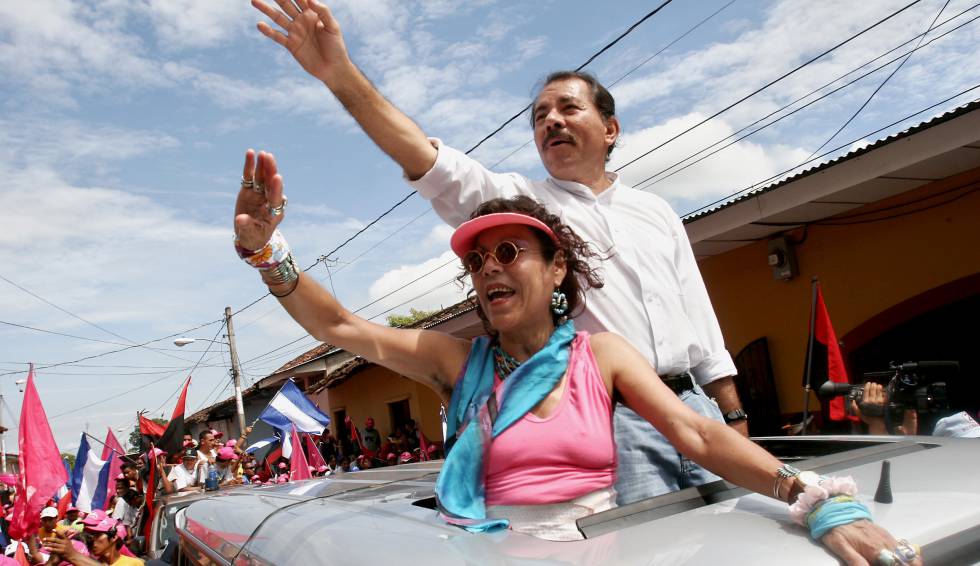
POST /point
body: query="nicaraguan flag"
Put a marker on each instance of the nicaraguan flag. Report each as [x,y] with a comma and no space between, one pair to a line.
[63,490]
[90,479]
[260,448]
[291,408]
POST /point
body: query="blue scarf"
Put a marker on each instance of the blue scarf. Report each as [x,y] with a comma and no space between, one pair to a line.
[461,486]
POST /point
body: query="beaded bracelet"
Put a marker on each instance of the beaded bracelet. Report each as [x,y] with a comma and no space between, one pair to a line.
[274,260]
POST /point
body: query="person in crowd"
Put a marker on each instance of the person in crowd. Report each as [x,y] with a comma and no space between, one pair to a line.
[189,441]
[333,464]
[248,468]
[131,471]
[529,272]
[49,523]
[105,544]
[189,475]
[206,451]
[73,519]
[227,466]
[653,291]
[370,438]
[411,431]
[328,446]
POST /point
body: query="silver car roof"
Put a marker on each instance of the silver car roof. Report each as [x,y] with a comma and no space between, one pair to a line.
[385,516]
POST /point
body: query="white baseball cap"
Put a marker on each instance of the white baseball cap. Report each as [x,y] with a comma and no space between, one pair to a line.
[49,512]
[960,425]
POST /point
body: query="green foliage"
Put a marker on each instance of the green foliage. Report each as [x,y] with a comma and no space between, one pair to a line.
[71,459]
[414,316]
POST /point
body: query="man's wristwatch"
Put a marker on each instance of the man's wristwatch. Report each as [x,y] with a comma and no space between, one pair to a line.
[736,415]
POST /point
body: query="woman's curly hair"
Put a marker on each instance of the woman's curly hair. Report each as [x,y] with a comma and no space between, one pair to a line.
[579,277]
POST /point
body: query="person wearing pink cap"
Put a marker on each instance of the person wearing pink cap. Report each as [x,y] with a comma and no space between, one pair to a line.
[104,541]
[532,381]
[72,519]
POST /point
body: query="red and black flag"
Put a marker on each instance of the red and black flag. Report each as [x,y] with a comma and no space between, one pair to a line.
[171,441]
[824,358]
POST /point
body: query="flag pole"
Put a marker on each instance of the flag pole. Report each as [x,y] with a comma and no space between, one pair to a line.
[809,353]
[121,455]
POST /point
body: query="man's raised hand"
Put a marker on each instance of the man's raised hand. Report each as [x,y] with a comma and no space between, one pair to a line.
[310,33]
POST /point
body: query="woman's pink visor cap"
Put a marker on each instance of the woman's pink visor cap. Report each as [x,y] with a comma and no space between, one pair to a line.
[464,238]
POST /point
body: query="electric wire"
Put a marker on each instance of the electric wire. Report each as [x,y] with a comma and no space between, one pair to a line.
[135,389]
[883,83]
[86,321]
[769,84]
[652,179]
[93,356]
[797,166]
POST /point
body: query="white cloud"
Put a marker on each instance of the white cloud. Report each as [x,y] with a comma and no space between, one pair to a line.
[183,24]
[395,279]
[734,168]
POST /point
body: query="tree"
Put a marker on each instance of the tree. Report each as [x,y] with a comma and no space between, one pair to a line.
[70,458]
[414,316]
[136,439]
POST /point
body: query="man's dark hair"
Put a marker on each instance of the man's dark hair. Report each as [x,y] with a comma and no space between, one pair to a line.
[128,465]
[202,434]
[601,97]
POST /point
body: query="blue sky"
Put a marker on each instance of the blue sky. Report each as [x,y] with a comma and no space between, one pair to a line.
[124,124]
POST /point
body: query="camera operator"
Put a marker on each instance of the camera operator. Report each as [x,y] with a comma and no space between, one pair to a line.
[871,410]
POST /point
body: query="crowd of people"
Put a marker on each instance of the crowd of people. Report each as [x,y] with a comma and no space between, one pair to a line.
[68,535]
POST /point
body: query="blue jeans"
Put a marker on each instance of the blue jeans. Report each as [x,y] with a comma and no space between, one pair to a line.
[649,464]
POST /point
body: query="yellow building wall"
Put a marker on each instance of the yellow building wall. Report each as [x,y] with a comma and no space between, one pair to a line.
[863,270]
[367,394]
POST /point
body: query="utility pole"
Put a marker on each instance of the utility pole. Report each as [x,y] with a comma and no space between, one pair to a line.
[236,372]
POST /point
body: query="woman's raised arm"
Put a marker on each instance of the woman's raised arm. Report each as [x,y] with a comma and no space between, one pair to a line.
[432,358]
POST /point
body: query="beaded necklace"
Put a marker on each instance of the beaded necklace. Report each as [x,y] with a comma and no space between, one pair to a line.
[504,363]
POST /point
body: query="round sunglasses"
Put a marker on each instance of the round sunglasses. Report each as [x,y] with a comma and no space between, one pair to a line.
[504,253]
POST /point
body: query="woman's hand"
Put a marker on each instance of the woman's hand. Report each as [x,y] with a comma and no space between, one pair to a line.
[261,204]
[309,32]
[861,542]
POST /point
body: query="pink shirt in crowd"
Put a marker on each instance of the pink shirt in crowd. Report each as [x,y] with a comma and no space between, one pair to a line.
[568,454]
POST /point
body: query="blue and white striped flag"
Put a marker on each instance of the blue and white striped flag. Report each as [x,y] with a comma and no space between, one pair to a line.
[290,407]
[90,480]
[260,448]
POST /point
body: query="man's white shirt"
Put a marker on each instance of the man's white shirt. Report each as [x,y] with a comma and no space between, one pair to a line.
[653,293]
[182,477]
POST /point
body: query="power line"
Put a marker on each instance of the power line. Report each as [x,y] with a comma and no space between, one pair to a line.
[883,83]
[838,148]
[652,179]
[769,84]
[117,351]
[86,321]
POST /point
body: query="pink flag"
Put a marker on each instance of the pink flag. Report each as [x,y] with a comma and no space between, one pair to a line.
[423,446]
[299,469]
[114,449]
[316,459]
[41,469]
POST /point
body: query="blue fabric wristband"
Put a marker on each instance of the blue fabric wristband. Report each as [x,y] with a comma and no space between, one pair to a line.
[835,512]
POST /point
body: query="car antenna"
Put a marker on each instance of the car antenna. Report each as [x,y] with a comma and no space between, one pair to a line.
[884,492]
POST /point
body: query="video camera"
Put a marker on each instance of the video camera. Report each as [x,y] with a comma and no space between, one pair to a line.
[918,386]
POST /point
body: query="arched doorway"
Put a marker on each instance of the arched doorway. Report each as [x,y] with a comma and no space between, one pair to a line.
[940,324]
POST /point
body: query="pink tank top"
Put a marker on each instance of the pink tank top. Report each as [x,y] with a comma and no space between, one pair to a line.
[568,454]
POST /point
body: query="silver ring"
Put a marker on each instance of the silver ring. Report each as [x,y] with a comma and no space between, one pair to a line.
[247,184]
[887,557]
[277,210]
[906,551]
